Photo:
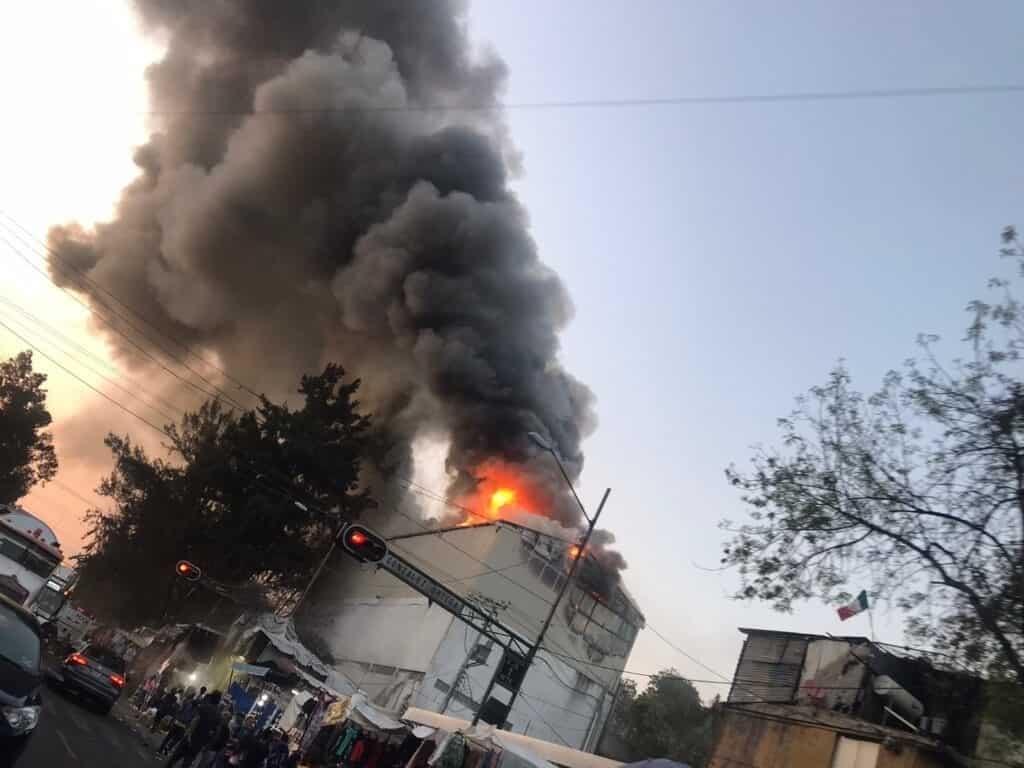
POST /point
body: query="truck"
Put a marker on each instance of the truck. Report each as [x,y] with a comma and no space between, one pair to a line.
[31,573]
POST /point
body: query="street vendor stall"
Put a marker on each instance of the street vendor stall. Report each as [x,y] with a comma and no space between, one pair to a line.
[515,749]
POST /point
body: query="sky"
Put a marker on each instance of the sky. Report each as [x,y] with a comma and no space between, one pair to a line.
[721,258]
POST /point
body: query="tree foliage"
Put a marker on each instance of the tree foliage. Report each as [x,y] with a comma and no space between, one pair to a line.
[27,455]
[917,489]
[226,498]
[666,719]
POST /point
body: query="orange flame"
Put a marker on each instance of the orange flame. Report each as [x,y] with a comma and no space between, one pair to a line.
[502,490]
[501,498]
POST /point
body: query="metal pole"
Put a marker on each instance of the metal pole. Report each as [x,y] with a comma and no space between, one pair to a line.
[462,670]
[319,568]
[532,653]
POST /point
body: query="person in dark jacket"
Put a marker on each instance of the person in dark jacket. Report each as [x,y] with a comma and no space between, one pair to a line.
[201,730]
[255,748]
[167,705]
[218,742]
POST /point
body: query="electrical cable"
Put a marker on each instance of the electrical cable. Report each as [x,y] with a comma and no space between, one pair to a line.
[134,395]
[107,321]
[549,725]
[613,103]
[409,482]
[68,342]
[93,284]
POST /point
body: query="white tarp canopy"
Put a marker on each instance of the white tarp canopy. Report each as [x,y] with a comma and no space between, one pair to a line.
[281,634]
[524,746]
[375,716]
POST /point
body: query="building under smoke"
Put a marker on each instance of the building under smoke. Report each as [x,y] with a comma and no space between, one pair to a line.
[328,181]
[390,641]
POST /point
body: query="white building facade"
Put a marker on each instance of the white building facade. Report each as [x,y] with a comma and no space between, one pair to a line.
[390,641]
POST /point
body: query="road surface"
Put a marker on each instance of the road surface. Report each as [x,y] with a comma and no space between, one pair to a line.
[72,733]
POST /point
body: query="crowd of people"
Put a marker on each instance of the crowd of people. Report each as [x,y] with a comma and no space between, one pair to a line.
[203,730]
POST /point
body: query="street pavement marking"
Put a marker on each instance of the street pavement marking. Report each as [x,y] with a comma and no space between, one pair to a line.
[64,741]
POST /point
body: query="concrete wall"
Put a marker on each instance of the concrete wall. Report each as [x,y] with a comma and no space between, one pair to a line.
[744,741]
[554,703]
[371,618]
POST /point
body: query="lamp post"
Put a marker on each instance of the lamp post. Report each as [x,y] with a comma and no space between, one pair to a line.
[591,523]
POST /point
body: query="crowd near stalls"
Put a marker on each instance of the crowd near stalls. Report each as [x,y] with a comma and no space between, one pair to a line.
[263,690]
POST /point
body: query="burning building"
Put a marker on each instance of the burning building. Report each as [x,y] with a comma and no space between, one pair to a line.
[403,649]
[329,181]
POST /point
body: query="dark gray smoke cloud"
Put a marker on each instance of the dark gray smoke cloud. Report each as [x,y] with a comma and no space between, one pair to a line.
[297,202]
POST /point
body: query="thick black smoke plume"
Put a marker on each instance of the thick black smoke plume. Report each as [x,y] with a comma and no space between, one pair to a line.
[303,198]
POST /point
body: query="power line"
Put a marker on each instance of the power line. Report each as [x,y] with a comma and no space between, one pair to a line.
[612,103]
[96,286]
[134,395]
[112,325]
[68,342]
[284,491]
[679,650]
[549,725]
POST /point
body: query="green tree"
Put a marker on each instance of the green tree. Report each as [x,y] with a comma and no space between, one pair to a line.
[242,495]
[666,719]
[27,455]
[916,491]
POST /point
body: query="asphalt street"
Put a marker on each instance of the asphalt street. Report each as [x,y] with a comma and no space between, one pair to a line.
[72,733]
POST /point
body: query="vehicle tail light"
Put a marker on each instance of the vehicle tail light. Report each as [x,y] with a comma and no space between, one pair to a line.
[117,680]
[77,658]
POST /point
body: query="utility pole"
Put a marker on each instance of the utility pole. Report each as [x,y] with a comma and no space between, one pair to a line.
[532,652]
[492,606]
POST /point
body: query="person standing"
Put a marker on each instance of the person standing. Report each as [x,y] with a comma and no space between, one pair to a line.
[201,730]
[218,742]
[181,721]
[167,705]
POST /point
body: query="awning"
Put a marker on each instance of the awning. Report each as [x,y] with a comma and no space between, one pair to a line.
[249,669]
[281,634]
[376,717]
[517,742]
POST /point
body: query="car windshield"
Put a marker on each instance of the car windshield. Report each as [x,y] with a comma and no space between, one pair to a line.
[105,658]
[19,643]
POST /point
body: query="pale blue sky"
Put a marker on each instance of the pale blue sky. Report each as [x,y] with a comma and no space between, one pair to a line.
[722,258]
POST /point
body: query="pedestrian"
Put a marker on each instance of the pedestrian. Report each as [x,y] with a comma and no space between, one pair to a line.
[277,751]
[255,747]
[218,742]
[200,732]
[167,705]
[180,723]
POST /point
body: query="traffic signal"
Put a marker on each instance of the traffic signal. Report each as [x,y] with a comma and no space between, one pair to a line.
[188,571]
[363,544]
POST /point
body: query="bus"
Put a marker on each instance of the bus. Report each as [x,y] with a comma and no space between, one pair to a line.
[30,563]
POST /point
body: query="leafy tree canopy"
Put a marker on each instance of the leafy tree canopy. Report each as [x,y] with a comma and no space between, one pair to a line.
[225,498]
[666,719]
[27,456]
[916,491]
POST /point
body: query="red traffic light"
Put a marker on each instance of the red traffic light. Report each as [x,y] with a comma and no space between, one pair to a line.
[363,544]
[188,570]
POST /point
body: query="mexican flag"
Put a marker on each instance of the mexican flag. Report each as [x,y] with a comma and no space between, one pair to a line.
[860,603]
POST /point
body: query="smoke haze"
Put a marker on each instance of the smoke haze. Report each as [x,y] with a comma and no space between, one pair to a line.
[302,200]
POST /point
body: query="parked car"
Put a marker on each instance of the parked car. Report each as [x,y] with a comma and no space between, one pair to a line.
[96,673]
[20,680]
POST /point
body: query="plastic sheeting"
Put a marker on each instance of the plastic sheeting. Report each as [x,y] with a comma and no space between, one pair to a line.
[281,634]
[525,747]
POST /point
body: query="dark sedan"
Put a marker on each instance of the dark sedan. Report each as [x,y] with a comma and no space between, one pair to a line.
[20,680]
[96,673]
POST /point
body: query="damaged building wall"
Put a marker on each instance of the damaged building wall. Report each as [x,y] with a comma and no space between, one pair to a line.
[747,738]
